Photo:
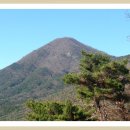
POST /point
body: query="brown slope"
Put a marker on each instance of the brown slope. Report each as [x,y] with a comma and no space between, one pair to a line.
[58,55]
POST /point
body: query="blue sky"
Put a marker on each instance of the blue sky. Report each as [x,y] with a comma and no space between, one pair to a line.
[22,31]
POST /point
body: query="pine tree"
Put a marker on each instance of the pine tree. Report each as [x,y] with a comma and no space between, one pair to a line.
[100,78]
[53,111]
[68,111]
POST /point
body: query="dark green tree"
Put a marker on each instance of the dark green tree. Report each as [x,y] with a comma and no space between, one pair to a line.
[68,111]
[53,111]
[100,78]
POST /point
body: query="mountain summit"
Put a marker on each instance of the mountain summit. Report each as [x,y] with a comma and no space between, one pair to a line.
[58,55]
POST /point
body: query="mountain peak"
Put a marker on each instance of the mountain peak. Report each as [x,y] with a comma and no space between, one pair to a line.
[58,55]
[65,40]
[69,42]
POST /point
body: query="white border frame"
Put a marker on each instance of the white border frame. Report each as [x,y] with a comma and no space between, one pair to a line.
[64,123]
[64,6]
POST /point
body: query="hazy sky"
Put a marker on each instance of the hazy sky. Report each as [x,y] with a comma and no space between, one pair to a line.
[22,31]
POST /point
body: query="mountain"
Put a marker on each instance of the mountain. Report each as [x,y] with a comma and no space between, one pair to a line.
[58,56]
[38,75]
[125,57]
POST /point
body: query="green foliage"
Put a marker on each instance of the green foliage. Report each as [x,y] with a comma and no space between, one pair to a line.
[99,75]
[53,111]
[71,78]
[68,111]
[84,93]
[100,78]
[39,84]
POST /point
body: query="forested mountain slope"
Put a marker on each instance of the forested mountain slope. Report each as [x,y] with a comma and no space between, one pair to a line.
[39,76]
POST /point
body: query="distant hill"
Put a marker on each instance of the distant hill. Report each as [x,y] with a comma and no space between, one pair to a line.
[125,57]
[39,76]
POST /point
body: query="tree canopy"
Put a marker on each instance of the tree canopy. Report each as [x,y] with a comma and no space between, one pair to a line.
[54,111]
[100,78]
